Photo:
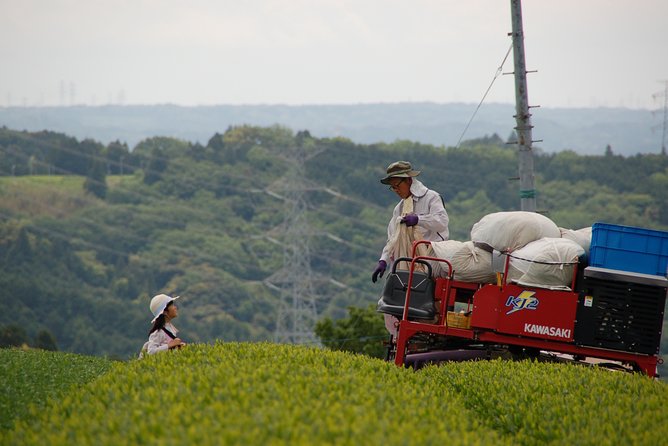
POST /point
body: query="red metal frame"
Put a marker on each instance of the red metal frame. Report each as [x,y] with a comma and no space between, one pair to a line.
[502,314]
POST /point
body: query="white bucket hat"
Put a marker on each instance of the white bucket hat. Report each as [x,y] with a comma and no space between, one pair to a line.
[159,303]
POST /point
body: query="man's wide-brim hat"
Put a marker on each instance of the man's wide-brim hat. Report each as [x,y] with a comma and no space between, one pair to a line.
[159,303]
[399,169]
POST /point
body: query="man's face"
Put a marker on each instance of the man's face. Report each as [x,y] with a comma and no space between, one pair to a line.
[401,186]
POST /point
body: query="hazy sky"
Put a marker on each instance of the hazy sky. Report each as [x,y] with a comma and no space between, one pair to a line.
[203,52]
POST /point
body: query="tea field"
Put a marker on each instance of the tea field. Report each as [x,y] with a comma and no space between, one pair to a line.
[262,393]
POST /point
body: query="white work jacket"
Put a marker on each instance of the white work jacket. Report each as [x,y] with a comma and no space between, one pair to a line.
[158,340]
[432,217]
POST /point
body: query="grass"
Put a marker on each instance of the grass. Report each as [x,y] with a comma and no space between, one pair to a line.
[51,195]
[67,183]
[43,195]
[243,393]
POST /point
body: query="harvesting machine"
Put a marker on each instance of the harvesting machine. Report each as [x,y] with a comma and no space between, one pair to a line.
[611,315]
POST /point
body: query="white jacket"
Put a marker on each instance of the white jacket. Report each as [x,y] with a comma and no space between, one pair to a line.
[432,217]
[158,340]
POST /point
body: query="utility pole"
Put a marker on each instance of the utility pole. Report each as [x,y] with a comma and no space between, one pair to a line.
[665,115]
[522,115]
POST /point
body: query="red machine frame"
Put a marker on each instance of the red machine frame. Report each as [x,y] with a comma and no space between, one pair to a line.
[510,315]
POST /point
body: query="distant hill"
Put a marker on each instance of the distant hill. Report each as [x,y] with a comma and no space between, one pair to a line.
[585,131]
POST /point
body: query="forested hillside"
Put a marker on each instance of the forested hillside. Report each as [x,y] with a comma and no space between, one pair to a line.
[88,232]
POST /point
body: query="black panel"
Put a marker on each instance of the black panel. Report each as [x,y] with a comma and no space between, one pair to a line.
[620,315]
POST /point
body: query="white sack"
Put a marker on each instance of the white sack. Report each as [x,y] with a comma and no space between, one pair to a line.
[581,236]
[508,231]
[545,263]
[470,264]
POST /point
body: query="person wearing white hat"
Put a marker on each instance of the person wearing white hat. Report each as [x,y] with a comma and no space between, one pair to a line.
[162,335]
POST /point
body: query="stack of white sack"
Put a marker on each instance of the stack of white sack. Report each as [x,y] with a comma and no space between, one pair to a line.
[470,263]
[580,236]
[508,231]
[546,263]
[545,255]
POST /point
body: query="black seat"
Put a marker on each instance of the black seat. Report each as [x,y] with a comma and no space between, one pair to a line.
[422,293]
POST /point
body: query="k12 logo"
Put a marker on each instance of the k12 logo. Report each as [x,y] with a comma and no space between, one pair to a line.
[525,301]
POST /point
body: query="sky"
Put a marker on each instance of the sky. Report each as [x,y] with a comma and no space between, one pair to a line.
[593,53]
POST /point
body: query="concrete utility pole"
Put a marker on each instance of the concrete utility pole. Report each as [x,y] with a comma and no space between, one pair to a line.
[522,116]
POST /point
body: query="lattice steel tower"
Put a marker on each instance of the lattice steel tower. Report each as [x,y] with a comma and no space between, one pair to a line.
[297,313]
[665,115]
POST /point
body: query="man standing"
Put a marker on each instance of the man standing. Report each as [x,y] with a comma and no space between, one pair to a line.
[421,212]
[420,215]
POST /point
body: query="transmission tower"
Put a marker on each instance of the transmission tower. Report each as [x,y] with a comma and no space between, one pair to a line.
[665,115]
[297,312]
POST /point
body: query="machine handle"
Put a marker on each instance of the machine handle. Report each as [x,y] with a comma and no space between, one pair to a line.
[409,260]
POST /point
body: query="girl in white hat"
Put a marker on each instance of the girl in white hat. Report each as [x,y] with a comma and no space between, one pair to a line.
[163,333]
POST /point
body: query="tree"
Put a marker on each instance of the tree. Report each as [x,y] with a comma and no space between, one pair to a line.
[362,331]
[96,180]
[45,341]
[12,336]
[157,164]
[118,158]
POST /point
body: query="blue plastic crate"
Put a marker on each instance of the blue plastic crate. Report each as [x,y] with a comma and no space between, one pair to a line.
[628,248]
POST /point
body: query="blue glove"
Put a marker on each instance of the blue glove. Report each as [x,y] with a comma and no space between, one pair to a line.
[379,271]
[410,220]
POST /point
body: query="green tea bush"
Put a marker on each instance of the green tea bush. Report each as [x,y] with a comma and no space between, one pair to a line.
[31,376]
[244,393]
[255,394]
[547,403]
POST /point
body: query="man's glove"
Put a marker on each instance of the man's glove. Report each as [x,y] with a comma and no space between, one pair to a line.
[379,271]
[410,220]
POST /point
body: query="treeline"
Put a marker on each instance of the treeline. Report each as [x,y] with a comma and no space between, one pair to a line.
[16,336]
[96,230]
[482,165]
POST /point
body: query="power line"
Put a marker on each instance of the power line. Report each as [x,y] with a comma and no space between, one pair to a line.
[499,70]
[179,205]
[192,182]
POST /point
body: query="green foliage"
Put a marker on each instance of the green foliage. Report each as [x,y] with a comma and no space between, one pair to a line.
[28,378]
[118,156]
[361,332]
[207,222]
[12,336]
[254,394]
[487,140]
[45,341]
[96,180]
[541,403]
[262,393]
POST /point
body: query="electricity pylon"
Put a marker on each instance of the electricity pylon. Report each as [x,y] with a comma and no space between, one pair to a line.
[665,115]
[297,312]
